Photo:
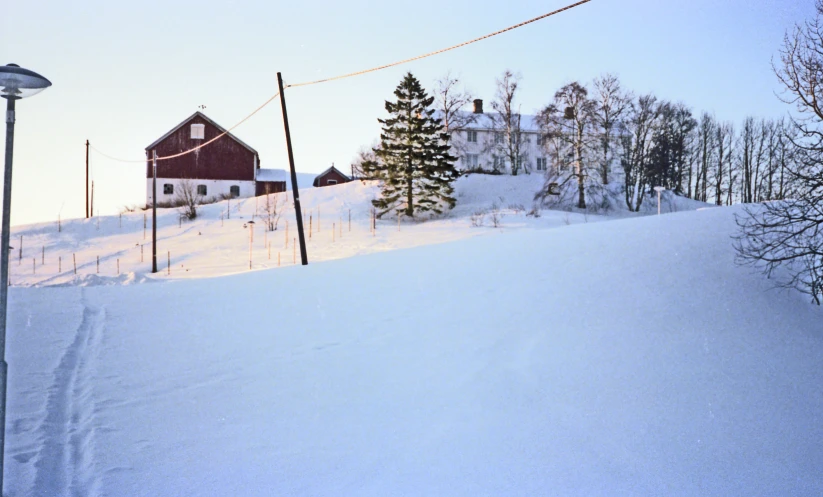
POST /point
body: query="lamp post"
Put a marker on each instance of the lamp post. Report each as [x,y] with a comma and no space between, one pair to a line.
[659,189]
[251,240]
[15,83]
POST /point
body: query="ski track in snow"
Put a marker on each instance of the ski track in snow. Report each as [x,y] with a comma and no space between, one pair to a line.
[65,465]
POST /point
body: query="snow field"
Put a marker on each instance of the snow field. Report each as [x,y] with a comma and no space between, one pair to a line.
[623,358]
[217,242]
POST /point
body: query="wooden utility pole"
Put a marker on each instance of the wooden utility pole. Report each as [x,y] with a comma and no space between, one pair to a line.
[154,213]
[297,210]
[87,179]
[92,198]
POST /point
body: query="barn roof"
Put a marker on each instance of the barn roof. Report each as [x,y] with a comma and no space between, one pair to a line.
[210,121]
[272,175]
[327,171]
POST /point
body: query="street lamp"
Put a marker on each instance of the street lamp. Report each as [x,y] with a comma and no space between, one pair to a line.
[659,189]
[251,239]
[15,83]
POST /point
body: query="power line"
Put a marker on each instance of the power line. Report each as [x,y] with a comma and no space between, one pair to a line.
[350,75]
[185,152]
[386,66]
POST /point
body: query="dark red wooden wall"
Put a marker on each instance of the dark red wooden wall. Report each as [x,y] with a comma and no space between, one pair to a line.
[274,187]
[225,159]
[323,180]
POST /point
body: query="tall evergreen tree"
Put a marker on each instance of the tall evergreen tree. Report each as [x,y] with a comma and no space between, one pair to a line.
[413,160]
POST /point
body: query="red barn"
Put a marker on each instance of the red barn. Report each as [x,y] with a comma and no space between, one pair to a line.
[226,167]
[329,177]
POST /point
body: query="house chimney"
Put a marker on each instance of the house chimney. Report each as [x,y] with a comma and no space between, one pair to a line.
[478,106]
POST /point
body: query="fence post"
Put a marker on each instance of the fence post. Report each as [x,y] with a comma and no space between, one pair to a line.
[141,253]
[59,265]
[20,258]
[310,228]
[43,259]
[34,265]
[74,259]
[98,264]
[118,267]
[168,262]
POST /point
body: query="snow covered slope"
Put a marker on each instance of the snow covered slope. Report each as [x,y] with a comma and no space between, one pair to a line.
[622,358]
[217,242]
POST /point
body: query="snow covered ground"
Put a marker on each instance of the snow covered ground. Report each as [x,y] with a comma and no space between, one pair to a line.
[629,357]
[217,242]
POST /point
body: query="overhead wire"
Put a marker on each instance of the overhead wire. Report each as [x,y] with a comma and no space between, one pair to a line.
[350,75]
[186,152]
[437,52]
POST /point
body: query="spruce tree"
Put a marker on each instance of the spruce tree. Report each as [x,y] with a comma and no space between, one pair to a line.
[413,160]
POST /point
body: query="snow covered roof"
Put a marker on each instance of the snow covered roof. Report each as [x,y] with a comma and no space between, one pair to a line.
[485,121]
[272,175]
[210,121]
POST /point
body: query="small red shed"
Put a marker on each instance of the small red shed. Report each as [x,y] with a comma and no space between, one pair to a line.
[330,177]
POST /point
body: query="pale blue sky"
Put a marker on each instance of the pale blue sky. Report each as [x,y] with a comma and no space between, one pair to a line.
[124,73]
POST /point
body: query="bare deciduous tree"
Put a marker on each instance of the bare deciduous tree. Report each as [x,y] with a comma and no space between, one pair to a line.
[788,234]
[609,105]
[637,142]
[450,98]
[506,122]
[188,199]
[272,209]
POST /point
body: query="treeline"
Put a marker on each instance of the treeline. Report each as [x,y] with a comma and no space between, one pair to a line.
[593,131]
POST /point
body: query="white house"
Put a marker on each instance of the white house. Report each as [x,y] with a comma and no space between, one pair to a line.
[482,143]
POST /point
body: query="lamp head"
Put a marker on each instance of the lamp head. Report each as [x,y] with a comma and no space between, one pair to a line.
[17,83]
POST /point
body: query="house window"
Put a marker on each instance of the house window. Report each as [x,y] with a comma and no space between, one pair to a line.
[541,164]
[498,137]
[331,182]
[198,131]
[201,190]
[471,161]
[540,139]
[234,191]
[168,189]
[471,136]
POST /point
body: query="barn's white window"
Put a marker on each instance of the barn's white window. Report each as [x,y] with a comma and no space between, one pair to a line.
[198,131]
[331,182]
[201,189]
[168,189]
[234,191]
[471,136]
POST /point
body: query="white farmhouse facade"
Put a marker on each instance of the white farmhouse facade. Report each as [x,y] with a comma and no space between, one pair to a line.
[481,142]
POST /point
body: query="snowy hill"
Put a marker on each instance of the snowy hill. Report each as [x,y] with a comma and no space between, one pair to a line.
[623,358]
[217,242]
